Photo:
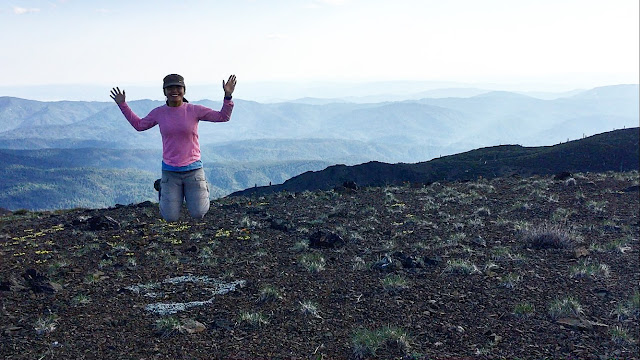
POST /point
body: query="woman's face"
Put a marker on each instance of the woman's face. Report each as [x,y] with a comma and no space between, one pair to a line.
[174,94]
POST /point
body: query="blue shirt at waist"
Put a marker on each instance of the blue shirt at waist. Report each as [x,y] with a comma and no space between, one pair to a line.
[193,166]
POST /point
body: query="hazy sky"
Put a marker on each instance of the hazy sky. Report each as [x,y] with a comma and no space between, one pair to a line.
[138,42]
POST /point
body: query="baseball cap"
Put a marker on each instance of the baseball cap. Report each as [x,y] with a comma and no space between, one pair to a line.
[173,79]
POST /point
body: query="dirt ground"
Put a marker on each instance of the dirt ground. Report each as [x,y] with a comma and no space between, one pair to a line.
[525,268]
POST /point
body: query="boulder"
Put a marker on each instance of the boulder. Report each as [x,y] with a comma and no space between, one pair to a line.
[324,239]
[103,222]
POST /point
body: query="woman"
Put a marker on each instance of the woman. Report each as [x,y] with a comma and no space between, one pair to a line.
[182,174]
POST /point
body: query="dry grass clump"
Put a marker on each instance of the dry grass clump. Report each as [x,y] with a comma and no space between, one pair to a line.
[166,327]
[309,308]
[253,319]
[561,215]
[458,266]
[509,280]
[394,284]
[630,309]
[596,206]
[81,299]
[269,293]
[549,237]
[367,342]
[46,324]
[313,262]
[171,325]
[587,269]
[567,307]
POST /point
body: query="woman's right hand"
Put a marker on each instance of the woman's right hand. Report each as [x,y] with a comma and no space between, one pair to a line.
[117,95]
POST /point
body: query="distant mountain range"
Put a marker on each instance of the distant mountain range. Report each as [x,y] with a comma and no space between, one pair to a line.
[405,131]
[617,150]
[45,145]
[293,91]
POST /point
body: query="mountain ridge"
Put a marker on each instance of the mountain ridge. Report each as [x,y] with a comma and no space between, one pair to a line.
[617,150]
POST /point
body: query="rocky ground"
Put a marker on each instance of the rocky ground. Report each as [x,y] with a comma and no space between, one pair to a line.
[524,268]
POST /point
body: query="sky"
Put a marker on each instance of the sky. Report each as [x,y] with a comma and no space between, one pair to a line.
[565,43]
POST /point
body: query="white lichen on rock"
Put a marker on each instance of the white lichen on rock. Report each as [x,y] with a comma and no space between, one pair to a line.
[214,286]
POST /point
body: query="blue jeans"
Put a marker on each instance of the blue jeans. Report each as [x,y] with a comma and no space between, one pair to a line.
[176,187]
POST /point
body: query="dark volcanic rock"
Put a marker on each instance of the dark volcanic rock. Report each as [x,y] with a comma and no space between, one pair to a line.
[281,224]
[562,176]
[350,185]
[324,239]
[479,241]
[385,264]
[5,286]
[432,260]
[145,204]
[38,282]
[407,261]
[103,222]
[346,187]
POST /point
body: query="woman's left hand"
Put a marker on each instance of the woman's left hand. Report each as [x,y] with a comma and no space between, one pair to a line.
[229,86]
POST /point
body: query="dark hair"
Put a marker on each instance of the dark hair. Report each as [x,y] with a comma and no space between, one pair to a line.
[183,100]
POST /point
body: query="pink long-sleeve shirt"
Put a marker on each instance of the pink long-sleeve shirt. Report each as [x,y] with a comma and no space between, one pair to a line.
[178,127]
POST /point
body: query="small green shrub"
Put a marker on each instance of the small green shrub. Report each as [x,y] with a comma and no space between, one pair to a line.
[452,240]
[523,309]
[394,283]
[510,280]
[81,299]
[620,335]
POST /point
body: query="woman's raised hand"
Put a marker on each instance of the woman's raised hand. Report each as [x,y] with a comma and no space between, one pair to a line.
[118,96]
[229,86]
